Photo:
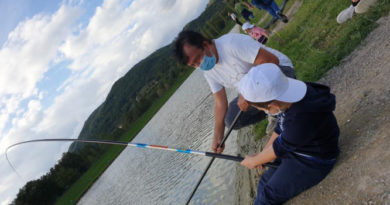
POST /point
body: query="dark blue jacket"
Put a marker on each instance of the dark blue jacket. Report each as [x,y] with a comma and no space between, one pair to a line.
[309,126]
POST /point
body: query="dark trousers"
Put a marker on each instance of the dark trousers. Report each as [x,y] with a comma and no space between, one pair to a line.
[253,115]
[293,176]
[247,14]
[263,40]
[270,6]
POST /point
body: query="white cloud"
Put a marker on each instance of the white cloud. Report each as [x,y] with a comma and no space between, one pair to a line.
[24,58]
[117,36]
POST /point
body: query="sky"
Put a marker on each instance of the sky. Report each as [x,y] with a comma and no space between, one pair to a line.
[58,61]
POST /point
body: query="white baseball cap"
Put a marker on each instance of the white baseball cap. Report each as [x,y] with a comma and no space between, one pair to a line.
[266,82]
[247,25]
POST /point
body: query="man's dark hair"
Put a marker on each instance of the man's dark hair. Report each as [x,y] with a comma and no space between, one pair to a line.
[192,38]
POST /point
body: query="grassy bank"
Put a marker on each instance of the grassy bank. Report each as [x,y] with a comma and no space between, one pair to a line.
[76,191]
[316,43]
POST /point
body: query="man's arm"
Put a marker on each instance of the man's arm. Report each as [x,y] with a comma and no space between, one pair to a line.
[220,109]
[264,56]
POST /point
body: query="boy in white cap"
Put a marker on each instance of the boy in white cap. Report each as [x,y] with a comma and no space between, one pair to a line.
[305,141]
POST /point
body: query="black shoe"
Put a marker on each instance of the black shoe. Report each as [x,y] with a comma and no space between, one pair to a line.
[283,17]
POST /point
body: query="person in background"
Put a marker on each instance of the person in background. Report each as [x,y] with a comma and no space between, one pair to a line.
[356,7]
[271,7]
[223,62]
[259,34]
[234,17]
[242,8]
[305,141]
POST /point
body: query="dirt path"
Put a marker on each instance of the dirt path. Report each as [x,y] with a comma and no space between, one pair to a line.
[361,84]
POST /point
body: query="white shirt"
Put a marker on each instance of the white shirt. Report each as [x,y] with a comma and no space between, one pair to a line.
[236,55]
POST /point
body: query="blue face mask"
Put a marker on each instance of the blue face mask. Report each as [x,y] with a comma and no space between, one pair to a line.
[208,62]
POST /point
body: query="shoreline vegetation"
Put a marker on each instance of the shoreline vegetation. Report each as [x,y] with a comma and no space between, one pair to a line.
[312,39]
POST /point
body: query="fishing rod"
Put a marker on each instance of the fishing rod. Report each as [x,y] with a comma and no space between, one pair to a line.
[212,160]
[140,145]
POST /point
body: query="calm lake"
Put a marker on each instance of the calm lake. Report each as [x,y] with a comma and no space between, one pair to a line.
[145,176]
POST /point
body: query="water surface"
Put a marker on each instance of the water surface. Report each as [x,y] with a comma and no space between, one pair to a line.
[144,176]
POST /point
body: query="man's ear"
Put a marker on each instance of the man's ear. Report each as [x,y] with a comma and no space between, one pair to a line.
[205,44]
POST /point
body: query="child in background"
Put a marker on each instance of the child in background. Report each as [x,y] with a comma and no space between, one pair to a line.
[261,35]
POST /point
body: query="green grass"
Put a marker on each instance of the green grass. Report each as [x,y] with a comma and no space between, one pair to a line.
[316,43]
[76,191]
[260,129]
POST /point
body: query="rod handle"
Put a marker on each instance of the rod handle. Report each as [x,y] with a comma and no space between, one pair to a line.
[238,159]
[224,156]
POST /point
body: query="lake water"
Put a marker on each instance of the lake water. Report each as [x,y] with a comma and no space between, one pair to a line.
[145,176]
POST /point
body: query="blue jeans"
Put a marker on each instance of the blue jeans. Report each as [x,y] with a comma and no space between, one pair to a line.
[270,6]
[293,176]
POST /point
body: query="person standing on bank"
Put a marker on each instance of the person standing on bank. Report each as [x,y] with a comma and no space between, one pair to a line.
[242,7]
[224,61]
[271,7]
[305,140]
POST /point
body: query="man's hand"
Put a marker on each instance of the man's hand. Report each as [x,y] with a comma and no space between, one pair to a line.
[250,162]
[215,146]
[242,104]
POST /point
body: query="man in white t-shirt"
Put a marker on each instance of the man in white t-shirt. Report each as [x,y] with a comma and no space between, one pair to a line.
[224,62]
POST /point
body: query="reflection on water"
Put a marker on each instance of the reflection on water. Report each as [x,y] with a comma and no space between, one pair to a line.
[144,176]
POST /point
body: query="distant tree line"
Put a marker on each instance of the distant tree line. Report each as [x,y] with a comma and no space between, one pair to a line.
[52,185]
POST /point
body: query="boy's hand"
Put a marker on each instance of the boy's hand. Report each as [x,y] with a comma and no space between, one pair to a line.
[250,162]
